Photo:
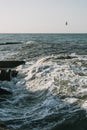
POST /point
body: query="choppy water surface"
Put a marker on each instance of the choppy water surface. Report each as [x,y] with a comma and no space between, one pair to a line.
[50,91]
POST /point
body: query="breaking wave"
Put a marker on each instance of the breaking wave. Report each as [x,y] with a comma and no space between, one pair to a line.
[47,94]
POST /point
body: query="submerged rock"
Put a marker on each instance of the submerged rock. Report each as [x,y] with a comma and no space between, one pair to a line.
[7,74]
[4,92]
[3,126]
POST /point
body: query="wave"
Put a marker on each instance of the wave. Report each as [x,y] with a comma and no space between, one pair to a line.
[47,94]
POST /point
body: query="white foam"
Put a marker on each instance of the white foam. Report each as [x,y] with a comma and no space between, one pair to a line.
[41,76]
[52,85]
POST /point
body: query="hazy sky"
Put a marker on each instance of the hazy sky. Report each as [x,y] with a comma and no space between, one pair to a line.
[43,16]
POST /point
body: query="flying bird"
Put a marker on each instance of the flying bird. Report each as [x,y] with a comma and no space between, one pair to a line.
[66,23]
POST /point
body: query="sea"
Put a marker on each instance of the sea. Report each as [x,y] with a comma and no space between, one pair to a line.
[50,90]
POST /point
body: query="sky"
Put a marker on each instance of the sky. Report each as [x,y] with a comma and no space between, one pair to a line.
[43,16]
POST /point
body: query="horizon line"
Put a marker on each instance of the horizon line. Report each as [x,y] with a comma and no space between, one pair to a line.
[43,33]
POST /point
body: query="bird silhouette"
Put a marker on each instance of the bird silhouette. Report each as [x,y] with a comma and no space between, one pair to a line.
[66,23]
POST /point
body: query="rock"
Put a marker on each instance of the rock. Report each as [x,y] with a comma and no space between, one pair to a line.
[12,43]
[4,92]
[10,64]
[14,73]
[3,126]
[7,74]
[2,74]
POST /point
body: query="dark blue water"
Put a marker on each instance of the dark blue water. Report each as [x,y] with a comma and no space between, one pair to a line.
[44,38]
[44,44]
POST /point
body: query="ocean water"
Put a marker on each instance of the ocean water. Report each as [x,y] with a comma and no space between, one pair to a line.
[50,90]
